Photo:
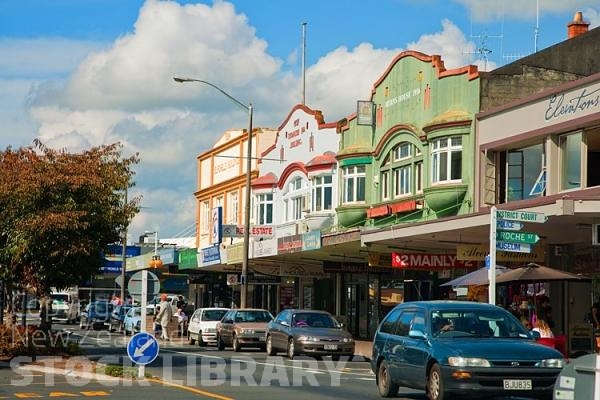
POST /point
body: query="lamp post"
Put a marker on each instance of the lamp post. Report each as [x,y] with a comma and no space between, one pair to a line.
[246,250]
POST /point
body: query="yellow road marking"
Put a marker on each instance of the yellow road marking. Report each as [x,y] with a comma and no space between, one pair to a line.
[62,394]
[27,395]
[191,389]
[95,393]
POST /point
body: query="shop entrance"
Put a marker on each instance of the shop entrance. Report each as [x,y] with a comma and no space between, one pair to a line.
[356,309]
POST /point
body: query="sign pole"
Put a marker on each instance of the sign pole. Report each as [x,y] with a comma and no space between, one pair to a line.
[492,270]
[142,368]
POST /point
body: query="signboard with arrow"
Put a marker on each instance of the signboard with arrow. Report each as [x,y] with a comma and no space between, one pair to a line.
[142,348]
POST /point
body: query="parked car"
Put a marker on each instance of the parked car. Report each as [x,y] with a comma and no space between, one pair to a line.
[202,325]
[243,327]
[132,323]
[456,347]
[308,332]
[96,314]
[117,317]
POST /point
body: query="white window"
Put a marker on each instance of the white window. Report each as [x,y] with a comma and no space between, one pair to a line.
[570,161]
[419,177]
[385,185]
[264,208]
[322,193]
[354,184]
[446,159]
[403,151]
[205,218]
[296,197]
[233,207]
[402,181]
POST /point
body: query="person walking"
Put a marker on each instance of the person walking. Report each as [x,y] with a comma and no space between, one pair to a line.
[164,316]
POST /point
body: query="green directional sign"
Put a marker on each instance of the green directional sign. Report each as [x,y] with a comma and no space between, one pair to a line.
[517,237]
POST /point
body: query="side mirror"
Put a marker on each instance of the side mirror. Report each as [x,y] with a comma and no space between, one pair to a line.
[416,334]
[284,323]
[535,334]
[227,321]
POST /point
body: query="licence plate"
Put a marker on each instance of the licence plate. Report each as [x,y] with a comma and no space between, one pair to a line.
[261,339]
[517,384]
[330,347]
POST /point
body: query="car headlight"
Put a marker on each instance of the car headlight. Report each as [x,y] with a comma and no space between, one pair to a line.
[347,340]
[551,363]
[247,331]
[468,362]
[308,339]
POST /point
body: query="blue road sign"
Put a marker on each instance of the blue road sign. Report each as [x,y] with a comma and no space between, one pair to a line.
[508,225]
[142,348]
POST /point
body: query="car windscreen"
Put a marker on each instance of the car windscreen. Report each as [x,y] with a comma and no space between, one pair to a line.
[313,320]
[101,308]
[253,316]
[213,315]
[59,298]
[475,322]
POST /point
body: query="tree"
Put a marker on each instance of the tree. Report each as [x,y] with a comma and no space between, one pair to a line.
[59,211]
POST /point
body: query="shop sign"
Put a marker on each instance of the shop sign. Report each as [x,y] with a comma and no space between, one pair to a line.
[329,267]
[478,253]
[264,280]
[235,253]
[255,231]
[289,244]
[264,248]
[211,256]
[380,260]
[187,259]
[429,261]
[341,238]
[311,240]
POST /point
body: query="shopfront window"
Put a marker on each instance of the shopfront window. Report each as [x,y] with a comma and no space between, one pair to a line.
[523,167]
[205,222]
[232,208]
[264,209]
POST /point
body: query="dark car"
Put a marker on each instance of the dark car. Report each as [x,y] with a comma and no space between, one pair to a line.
[243,327]
[96,314]
[308,332]
[466,348]
[117,317]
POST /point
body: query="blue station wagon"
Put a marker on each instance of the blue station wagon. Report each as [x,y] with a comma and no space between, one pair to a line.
[466,348]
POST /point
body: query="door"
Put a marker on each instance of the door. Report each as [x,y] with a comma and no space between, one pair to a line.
[357,309]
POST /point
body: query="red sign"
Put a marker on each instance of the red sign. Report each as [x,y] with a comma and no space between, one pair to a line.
[429,261]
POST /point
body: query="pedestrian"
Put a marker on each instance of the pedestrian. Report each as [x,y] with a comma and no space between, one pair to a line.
[164,315]
[181,302]
[156,328]
[182,320]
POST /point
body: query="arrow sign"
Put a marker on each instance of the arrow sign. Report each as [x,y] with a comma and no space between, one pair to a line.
[509,225]
[142,348]
[513,247]
[517,237]
[523,216]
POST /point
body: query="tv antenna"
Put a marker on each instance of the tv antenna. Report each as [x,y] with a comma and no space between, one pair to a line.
[482,49]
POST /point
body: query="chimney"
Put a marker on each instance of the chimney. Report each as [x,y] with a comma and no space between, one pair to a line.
[578,26]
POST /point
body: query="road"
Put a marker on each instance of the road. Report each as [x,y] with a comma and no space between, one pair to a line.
[185,371]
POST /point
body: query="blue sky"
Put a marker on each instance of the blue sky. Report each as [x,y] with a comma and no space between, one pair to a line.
[79,73]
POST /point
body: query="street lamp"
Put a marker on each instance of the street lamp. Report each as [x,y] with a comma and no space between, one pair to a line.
[156,262]
[248,108]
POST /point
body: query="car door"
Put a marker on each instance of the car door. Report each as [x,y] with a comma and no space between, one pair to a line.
[277,331]
[226,331]
[386,342]
[400,340]
[416,350]
[194,324]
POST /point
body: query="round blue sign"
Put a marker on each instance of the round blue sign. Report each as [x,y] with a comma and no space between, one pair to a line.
[142,348]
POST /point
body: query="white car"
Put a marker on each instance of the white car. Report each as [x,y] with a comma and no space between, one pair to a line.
[171,298]
[203,325]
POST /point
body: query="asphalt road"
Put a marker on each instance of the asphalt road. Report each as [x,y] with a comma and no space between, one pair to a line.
[184,371]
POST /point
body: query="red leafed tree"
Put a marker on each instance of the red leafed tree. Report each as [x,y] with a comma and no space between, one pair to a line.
[59,211]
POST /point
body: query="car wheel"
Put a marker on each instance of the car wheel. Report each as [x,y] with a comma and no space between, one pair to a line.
[220,344]
[81,324]
[386,387]
[191,339]
[435,383]
[269,348]
[236,344]
[200,341]
[291,349]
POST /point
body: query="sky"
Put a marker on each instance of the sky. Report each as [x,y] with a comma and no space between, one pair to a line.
[82,73]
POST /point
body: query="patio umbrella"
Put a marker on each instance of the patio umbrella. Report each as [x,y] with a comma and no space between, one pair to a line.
[538,273]
[477,277]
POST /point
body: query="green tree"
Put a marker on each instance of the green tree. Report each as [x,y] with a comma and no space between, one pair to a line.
[59,211]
